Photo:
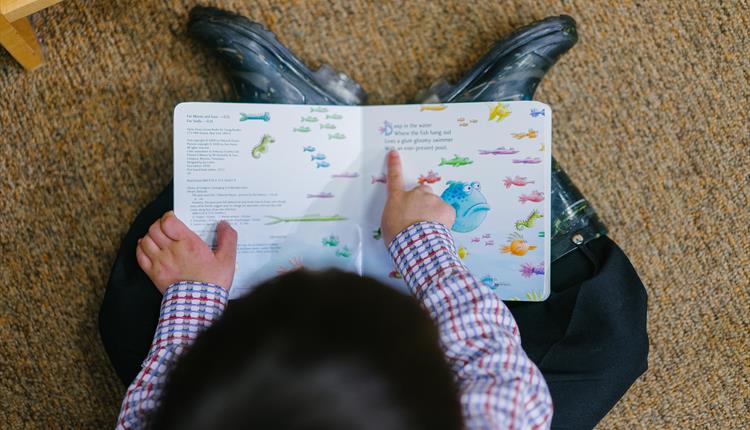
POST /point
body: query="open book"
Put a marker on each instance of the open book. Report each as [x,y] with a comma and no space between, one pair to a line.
[304,185]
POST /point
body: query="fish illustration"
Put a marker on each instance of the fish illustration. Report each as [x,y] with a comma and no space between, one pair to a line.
[322,164]
[294,264]
[386,129]
[517,245]
[377,234]
[344,252]
[469,202]
[518,181]
[462,253]
[536,113]
[336,136]
[541,147]
[345,175]
[332,241]
[529,221]
[476,239]
[395,275]
[431,178]
[262,147]
[309,119]
[305,218]
[489,243]
[490,282]
[534,197]
[265,116]
[540,234]
[528,269]
[498,151]
[323,195]
[308,149]
[334,116]
[528,160]
[328,126]
[499,112]
[317,156]
[432,107]
[303,129]
[486,236]
[318,109]
[456,161]
[382,179]
[531,134]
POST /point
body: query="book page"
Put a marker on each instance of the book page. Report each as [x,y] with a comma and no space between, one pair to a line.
[285,176]
[491,162]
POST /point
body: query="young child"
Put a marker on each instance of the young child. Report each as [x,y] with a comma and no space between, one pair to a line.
[332,350]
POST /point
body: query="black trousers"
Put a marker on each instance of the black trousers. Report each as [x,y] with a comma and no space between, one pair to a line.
[588,339]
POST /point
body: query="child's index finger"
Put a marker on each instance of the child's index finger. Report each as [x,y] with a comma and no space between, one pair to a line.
[395,173]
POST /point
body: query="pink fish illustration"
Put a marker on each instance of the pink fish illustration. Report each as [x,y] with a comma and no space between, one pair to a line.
[528,160]
[498,151]
[382,179]
[518,181]
[320,196]
[489,243]
[535,197]
[475,240]
[528,269]
[346,175]
[486,236]
[431,178]
[395,275]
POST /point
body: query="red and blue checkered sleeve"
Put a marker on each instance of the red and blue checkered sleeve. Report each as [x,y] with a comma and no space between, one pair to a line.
[187,309]
[500,386]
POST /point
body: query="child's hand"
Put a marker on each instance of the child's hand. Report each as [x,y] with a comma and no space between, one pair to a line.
[170,252]
[404,208]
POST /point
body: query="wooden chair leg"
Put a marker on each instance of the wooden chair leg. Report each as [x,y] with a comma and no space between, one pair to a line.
[18,38]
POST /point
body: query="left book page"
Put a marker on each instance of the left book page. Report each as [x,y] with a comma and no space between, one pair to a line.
[284,176]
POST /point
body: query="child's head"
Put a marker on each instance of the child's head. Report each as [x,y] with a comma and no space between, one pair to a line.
[309,350]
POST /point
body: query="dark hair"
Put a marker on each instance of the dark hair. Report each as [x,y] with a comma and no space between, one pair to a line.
[306,350]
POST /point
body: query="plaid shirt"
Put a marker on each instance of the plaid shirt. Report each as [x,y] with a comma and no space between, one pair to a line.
[500,386]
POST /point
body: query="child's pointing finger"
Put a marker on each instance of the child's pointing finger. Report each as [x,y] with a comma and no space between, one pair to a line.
[395,175]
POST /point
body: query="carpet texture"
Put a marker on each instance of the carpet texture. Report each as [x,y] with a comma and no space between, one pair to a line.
[651,121]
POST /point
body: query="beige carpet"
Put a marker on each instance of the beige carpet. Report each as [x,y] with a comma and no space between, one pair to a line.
[651,121]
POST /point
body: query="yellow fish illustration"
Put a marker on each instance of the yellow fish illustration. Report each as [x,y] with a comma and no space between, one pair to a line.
[541,148]
[531,134]
[517,245]
[499,112]
[462,252]
[432,107]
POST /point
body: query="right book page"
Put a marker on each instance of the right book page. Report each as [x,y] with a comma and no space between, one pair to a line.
[492,163]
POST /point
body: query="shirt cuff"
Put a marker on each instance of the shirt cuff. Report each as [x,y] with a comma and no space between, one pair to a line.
[424,252]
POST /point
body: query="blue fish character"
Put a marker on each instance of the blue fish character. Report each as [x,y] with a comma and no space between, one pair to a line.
[308,149]
[320,157]
[535,113]
[469,202]
[490,282]
[322,164]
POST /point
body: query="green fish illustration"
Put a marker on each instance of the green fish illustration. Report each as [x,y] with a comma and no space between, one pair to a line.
[262,147]
[309,119]
[328,126]
[343,252]
[336,136]
[255,116]
[318,109]
[456,161]
[529,221]
[303,129]
[334,116]
[377,234]
[331,241]
[306,218]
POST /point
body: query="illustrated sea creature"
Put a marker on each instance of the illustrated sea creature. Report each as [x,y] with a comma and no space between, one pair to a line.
[294,264]
[476,239]
[535,113]
[518,181]
[498,151]
[456,161]
[531,134]
[262,147]
[332,241]
[528,160]
[499,112]
[486,236]
[346,175]
[382,179]
[395,275]
[317,156]
[336,136]
[309,119]
[308,149]
[386,129]
[323,195]
[303,129]
[306,218]
[540,234]
[469,202]
[541,147]
[462,253]
[463,124]
[535,197]
[432,107]
[328,126]
[489,243]
[490,282]
[431,178]
[343,252]
[334,116]
[528,269]
[529,221]
[462,119]
[318,109]
[323,164]
[517,245]
[265,116]
[377,234]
